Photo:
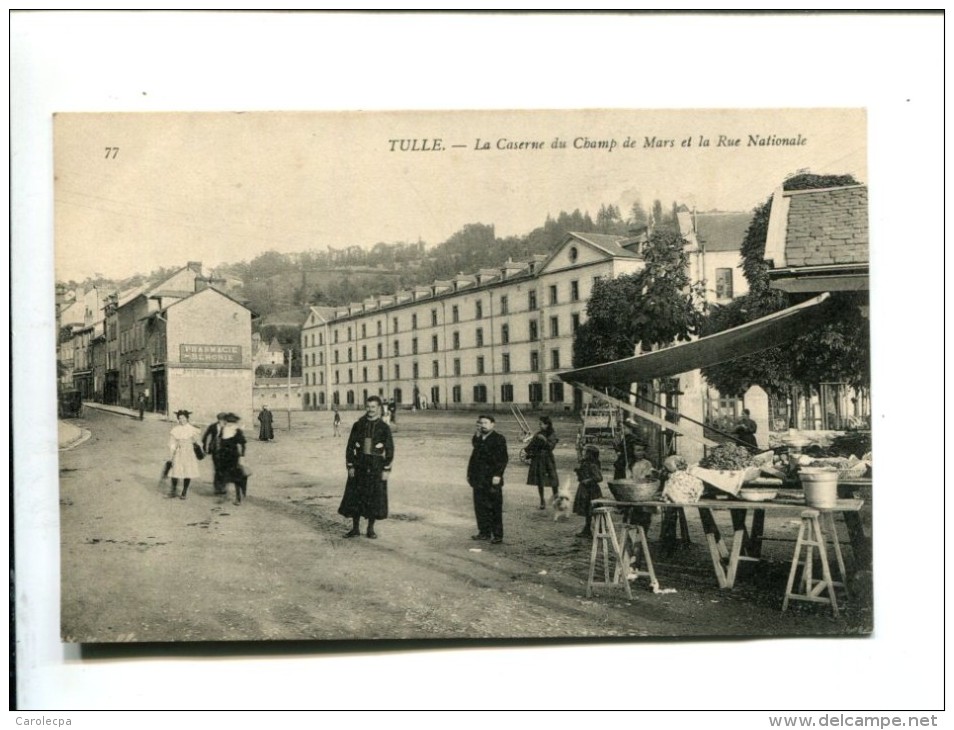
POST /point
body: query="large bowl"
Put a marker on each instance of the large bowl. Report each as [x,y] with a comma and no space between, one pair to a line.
[758,494]
[626,490]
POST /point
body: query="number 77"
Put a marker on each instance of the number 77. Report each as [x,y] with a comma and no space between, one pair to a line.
[111,153]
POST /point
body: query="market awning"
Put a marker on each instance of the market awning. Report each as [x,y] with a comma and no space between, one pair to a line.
[747,339]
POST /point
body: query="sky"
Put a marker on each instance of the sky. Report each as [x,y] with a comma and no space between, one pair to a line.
[136,191]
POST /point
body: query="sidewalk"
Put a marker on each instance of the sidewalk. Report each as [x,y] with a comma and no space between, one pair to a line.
[121,411]
[69,435]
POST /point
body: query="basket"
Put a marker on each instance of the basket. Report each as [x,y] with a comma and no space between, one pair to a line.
[856,471]
[626,490]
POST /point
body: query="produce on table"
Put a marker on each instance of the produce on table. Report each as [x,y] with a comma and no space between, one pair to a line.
[727,457]
[683,487]
[674,464]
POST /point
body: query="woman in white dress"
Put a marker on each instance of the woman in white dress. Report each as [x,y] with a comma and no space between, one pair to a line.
[185,465]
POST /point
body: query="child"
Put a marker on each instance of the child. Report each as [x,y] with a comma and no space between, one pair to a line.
[590,474]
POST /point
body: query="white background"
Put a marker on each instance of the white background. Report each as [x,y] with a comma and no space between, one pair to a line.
[890,64]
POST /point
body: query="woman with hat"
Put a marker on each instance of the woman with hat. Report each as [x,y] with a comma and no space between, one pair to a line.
[589,474]
[183,444]
[230,466]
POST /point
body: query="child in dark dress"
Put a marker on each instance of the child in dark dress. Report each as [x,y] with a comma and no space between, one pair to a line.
[589,474]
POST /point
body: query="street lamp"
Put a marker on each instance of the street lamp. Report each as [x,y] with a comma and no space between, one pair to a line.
[288,354]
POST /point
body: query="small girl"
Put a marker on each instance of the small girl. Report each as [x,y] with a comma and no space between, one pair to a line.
[590,474]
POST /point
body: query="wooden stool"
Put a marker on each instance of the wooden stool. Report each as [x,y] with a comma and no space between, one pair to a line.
[634,542]
[811,537]
[604,538]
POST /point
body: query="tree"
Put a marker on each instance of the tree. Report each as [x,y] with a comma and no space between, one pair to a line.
[837,350]
[652,308]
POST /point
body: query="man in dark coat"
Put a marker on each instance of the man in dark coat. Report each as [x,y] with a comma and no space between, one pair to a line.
[211,440]
[745,431]
[265,432]
[485,472]
[368,455]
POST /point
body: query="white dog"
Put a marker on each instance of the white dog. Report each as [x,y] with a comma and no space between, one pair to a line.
[562,502]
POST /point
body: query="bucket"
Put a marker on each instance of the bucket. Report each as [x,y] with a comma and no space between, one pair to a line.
[820,486]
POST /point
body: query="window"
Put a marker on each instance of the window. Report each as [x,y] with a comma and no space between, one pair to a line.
[503,305]
[505,364]
[534,361]
[321,378]
[364,352]
[336,398]
[379,327]
[337,377]
[554,359]
[350,397]
[364,375]
[480,337]
[397,371]
[364,332]
[336,336]
[456,338]
[505,334]
[415,373]
[414,346]
[723,283]
[532,299]
[321,358]
[534,335]
[554,326]
[574,322]
[480,365]
[380,372]
[553,294]
[556,392]
[479,310]
[336,357]
[321,339]
[506,393]
[413,321]
[456,366]
[380,351]
[394,324]
[433,318]
[455,314]
[455,394]
[574,291]
[349,334]
[435,368]
[350,375]
[397,348]
[433,343]
[435,394]
[536,392]
[349,354]
[480,394]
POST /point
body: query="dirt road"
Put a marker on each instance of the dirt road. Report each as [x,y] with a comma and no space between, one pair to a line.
[137,566]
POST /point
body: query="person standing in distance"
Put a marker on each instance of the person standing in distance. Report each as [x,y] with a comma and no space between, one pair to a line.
[368,455]
[485,472]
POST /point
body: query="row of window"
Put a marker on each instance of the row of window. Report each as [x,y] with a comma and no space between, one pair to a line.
[481,369]
[312,359]
[133,338]
[479,395]
[532,305]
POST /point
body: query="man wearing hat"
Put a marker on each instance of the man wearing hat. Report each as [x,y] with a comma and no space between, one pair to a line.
[368,456]
[211,443]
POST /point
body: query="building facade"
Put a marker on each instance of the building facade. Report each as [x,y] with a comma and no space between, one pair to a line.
[477,341]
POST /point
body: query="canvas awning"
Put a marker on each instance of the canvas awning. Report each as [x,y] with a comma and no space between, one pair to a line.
[747,339]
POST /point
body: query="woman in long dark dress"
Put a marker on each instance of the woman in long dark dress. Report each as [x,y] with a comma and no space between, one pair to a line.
[265,431]
[543,472]
[231,458]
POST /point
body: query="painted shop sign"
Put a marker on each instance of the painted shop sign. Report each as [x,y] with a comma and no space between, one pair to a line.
[210,353]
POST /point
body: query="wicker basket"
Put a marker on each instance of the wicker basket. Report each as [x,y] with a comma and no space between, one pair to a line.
[626,490]
[856,471]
